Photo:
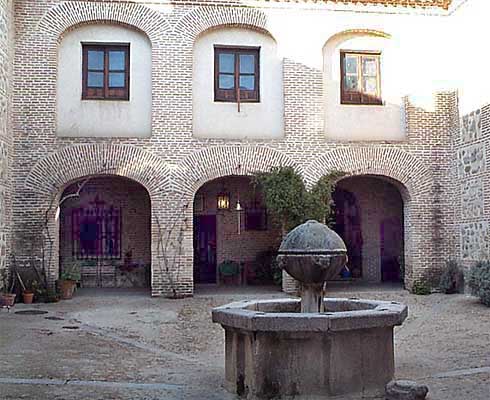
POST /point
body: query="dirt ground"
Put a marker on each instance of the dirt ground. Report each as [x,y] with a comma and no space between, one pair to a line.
[126,345]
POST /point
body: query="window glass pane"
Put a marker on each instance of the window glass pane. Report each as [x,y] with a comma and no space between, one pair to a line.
[247,82]
[95,59]
[117,60]
[370,86]
[117,79]
[226,62]
[350,83]
[95,79]
[369,66]
[226,81]
[350,64]
[247,63]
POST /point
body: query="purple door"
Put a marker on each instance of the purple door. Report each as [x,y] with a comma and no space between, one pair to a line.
[205,249]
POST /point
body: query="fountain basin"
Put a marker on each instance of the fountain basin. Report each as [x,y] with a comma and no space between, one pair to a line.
[272,350]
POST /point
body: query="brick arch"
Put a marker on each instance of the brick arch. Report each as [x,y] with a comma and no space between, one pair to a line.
[202,19]
[390,162]
[215,162]
[53,172]
[67,14]
[414,181]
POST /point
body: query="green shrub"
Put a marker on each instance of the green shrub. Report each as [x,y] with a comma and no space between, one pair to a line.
[479,281]
[70,273]
[421,288]
[452,278]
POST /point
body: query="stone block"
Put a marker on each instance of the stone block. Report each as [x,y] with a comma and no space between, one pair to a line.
[406,390]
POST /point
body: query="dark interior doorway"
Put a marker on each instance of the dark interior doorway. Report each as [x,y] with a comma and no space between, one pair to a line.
[369,218]
[205,249]
[348,225]
[391,232]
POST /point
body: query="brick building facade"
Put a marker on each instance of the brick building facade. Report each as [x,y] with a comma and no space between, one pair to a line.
[172,163]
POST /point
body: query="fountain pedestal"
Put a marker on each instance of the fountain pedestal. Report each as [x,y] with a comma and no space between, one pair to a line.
[274,350]
[314,347]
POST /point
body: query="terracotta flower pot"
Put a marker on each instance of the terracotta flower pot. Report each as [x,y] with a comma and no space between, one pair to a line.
[9,299]
[67,288]
[28,297]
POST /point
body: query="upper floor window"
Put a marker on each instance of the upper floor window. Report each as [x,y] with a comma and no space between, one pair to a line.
[105,72]
[360,77]
[236,74]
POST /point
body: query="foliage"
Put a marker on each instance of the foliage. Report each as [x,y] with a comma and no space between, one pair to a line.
[267,268]
[286,196]
[452,278]
[479,281]
[421,288]
[229,268]
[71,273]
[320,197]
[5,281]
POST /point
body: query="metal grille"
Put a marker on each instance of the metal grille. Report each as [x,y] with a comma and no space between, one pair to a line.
[96,232]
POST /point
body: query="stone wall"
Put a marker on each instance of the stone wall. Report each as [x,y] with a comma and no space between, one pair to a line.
[472,184]
[6,53]
[172,164]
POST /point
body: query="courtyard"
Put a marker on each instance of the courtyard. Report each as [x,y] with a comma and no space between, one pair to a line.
[124,344]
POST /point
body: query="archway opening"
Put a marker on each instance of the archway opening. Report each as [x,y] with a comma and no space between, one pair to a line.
[235,239]
[105,232]
[369,216]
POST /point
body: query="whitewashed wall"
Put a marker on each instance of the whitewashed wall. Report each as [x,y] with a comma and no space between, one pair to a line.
[263,120]
[103,118]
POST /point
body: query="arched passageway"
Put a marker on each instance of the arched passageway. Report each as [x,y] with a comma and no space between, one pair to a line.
[369,216]
[235,240]
[105,231]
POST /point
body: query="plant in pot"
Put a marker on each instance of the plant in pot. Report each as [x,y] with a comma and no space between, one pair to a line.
[29,290]
[7,297]
[68,281]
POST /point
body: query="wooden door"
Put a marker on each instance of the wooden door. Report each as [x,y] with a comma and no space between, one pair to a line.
[205,249]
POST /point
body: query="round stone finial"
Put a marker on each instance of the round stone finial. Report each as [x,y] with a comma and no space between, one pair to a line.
[312,253]
[312,237]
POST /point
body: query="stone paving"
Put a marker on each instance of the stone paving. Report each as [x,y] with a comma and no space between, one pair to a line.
[126,345]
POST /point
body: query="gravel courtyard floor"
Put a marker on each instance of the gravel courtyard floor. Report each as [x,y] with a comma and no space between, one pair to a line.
[110,344]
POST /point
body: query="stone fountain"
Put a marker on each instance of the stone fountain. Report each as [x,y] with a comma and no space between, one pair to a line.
[315,347]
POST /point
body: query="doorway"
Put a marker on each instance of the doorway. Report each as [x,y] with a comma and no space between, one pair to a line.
[205,249]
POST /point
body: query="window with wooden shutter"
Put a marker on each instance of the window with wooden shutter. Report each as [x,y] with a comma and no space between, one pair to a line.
[105,72]
[360,77]
[236,74]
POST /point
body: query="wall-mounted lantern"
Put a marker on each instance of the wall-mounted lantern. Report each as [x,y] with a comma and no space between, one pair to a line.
[223,201]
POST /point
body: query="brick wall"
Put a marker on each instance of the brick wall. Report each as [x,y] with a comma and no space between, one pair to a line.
[6,53]
[172,164]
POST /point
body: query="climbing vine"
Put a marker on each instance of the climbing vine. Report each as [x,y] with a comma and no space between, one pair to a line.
[287,197]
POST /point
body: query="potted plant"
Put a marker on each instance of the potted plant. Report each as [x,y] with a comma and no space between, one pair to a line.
[7,297]
[68,281]
[27,289]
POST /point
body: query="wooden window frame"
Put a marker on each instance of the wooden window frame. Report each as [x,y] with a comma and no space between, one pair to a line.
[105,93]
[359,97]
[235,95]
